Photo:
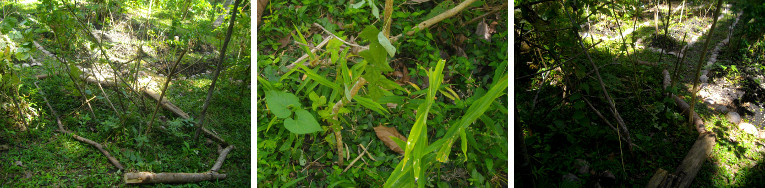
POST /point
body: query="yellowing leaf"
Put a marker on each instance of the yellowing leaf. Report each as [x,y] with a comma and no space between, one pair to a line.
[384,133]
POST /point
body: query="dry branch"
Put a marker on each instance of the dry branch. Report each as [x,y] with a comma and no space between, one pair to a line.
[610,101]
[150,177]
[691,164]
[221,158]
[82,139]
[449,13]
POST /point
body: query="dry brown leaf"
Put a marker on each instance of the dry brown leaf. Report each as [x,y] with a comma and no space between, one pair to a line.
[384,133]
[284,41]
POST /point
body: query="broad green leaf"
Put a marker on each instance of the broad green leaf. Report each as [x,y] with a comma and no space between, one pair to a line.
[333,46]
[440,8]
[304,123]
[278,102]
[386,44]
[372,105]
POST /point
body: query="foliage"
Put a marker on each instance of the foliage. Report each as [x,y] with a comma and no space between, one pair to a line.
[332,75]
[75,33]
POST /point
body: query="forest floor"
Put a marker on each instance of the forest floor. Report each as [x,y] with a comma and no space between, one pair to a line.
[723,93]
[40,156]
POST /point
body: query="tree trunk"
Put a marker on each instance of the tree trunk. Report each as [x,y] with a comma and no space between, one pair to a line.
[218,68]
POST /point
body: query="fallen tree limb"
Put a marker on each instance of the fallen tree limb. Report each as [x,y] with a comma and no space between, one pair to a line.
[150,177]
[427,23]
[61,128]
[684,175]
[221,158]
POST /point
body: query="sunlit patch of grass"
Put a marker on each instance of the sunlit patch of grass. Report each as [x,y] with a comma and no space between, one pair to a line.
[201,82]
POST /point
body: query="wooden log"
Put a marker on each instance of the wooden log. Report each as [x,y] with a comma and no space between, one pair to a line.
[221,158]
[150,177]
[166,104]
[657,178]
[692,163]
[683,106]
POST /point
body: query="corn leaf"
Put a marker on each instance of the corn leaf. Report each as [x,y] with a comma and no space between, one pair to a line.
[323,81]
[474,112]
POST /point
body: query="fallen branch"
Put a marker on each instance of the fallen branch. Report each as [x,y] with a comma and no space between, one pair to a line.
[427,23]
[150,177]
[597,112]
[221,158]
[691,164]
[82,139]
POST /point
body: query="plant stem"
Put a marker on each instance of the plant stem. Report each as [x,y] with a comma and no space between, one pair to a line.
[701,60]
[218,68]
[164,88]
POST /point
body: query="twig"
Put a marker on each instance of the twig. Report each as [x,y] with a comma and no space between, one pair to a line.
[324,42]
[501,7]
[427,23]
[164,89]
[368,154]
[311,163]
[63,130]
[597,112]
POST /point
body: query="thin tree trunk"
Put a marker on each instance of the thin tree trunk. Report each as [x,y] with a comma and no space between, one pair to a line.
[610,101]
[701,60]
[218,68]
[522,159]
[164,88]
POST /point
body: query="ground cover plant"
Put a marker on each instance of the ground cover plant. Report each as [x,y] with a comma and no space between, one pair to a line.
[382,94]
[638,93]
[82,83]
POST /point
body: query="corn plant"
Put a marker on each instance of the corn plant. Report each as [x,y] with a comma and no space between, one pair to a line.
[419,155]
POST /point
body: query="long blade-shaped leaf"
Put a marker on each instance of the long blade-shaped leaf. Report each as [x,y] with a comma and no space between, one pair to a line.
[474,112]
[323,81]
[372,105]
[420,125]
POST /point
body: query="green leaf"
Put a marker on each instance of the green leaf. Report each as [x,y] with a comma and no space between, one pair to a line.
[375,11]
[314,76]
[317,100]
[372,105]
[386,44]
[304,123]
[473,112]
[440,8]
[358,5]
[278,102]
[463,139]
[74,71]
